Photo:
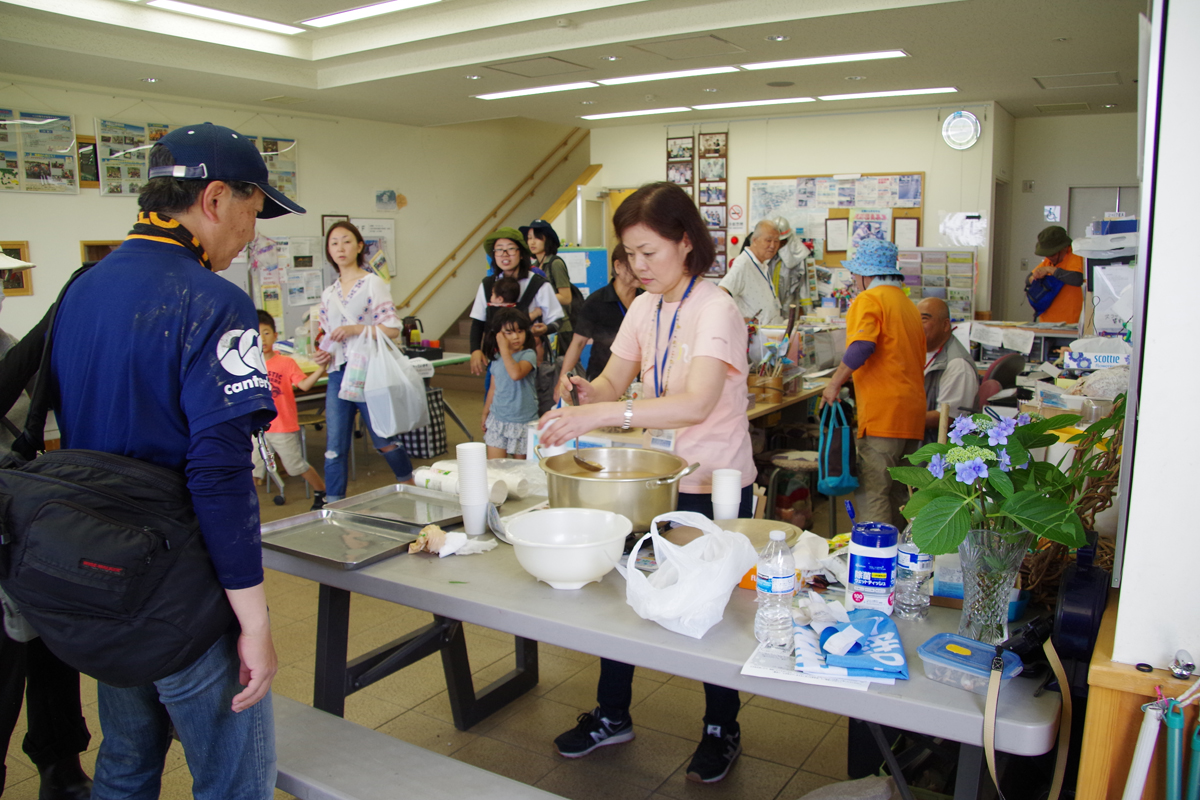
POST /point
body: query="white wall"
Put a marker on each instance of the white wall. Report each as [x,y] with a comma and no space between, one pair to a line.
[893,141]
[1057,153]
[451,176]
[1160,605]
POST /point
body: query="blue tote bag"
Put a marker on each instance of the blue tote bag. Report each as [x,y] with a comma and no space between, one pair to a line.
[837,463]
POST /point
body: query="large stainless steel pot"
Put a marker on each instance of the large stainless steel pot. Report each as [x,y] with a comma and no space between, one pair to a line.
[639,484]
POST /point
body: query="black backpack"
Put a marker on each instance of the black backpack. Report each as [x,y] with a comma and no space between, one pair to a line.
[104,557]
[536,282]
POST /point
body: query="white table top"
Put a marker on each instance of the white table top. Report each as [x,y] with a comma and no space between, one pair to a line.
[492,590]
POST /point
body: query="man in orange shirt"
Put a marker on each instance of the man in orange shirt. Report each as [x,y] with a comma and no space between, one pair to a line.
[885,352]
[1054,245]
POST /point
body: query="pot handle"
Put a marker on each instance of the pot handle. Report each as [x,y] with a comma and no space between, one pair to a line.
[667,481]
[537,451]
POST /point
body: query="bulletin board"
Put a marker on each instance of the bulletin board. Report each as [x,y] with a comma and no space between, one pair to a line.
[807,199]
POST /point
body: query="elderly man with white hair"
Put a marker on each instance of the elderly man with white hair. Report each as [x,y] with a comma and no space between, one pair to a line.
[753,279]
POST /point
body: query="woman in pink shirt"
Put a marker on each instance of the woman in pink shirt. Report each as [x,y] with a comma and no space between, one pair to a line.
[687,339]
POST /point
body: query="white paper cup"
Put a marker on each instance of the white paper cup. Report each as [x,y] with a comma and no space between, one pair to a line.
[474,518]
[725,510]
[726,486]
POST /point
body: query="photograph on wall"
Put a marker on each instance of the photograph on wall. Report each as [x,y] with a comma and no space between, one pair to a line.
[121,152]
[10,171]
[157,130]
[16,282]
[680,148]
[680,173]
[8,132]
[712,194]
[688,191]
[712,169]
[48,151]
[714,145]
[717,270]
[714,216]
[718,238]
[280,157]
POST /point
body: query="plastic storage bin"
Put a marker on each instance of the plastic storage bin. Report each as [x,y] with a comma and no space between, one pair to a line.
[965,663]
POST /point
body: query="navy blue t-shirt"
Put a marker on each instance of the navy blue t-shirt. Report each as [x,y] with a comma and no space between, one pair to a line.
[157,358]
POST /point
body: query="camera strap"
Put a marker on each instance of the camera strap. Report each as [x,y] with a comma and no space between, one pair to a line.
[1064,719]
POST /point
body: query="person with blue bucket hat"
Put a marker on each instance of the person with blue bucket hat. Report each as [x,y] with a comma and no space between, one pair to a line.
[885,351]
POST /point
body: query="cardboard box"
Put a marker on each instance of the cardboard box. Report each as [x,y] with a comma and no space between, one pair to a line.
[1082,359]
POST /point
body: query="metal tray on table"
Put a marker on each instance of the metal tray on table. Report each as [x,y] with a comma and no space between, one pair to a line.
[335,537]
[400,502]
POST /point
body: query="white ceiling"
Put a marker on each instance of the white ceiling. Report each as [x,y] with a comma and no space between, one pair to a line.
[409,67]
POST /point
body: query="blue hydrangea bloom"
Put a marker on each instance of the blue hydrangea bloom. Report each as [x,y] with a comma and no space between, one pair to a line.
[1000,432]
[937,466]
[962,426]
[1005,461]
[968,472]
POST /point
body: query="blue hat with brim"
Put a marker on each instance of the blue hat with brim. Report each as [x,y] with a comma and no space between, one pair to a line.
[874,257]
[216,153]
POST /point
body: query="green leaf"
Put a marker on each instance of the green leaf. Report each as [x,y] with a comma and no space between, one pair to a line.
[1048,518]
[1051,424]
[942,525]
[1000,482]
[1041,440]
[923,497]
[926,453]
[1017,454]
[912,476]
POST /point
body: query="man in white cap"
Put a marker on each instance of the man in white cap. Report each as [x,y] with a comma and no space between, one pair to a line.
[157,358]
[885,351]
[752,279]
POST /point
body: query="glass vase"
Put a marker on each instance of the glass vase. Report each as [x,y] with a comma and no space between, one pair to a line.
[990,562]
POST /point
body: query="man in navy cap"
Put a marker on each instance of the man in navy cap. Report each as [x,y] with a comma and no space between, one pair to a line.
[157,357]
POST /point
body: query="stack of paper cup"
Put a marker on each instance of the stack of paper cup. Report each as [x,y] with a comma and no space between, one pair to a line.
[726,493]
[447,481]
[473,486]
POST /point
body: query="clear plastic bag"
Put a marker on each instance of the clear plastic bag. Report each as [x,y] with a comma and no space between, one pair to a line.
[354,371]
[393,391]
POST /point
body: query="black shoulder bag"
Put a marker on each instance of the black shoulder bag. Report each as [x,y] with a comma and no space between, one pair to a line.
[103,555]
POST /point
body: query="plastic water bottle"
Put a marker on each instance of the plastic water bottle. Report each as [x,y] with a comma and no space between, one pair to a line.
[914,578]
[872,579]
[776,585]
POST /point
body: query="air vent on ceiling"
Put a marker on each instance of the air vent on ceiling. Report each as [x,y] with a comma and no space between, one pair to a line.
[284,100]
[1079,81]
[690,47]
[538,67]
[1060,108]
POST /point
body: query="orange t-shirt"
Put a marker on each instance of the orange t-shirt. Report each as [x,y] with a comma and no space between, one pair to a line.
[284,374]
[1068,303]
[890,385]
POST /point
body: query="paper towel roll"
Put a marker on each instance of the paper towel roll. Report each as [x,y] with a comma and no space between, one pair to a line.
[514,486]
[439,481]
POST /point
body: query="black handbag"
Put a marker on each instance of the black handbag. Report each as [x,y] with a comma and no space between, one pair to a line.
[103,555]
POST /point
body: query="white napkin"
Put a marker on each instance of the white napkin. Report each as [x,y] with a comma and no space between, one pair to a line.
[459,544]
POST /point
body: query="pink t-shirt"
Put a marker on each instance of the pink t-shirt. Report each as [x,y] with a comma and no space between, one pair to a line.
[709,325]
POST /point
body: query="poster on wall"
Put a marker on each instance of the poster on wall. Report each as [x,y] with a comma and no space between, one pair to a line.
[868,223]
[681,153]
[714,198]
[47,151]
[280,155]
[10,165]
[122,157]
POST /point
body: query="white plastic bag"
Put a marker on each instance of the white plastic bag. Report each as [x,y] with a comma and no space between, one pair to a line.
[354,371]
[689,591]
[394,393]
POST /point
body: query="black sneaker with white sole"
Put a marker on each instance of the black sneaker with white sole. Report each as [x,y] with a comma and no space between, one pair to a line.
[591,731]
[718,749]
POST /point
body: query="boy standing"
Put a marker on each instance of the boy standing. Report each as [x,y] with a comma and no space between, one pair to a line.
[284,434]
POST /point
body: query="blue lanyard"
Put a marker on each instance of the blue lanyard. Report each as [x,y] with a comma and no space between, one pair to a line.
[659,370]
[765,276]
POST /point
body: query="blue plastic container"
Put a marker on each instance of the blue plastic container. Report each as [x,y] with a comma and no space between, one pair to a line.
[965,663]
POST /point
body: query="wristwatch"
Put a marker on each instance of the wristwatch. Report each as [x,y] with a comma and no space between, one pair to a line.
[628,414]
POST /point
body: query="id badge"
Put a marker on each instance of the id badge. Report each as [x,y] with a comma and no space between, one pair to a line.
[662,439]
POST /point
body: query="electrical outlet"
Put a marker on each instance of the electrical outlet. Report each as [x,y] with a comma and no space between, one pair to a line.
[1027,186]
[1024,263]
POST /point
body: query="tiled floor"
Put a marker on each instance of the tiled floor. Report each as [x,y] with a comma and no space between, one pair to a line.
[788,750]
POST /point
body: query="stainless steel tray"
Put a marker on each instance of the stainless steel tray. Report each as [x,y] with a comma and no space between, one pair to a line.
[401,502]
[335,537]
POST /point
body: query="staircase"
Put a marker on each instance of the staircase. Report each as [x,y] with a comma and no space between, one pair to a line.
[458,376]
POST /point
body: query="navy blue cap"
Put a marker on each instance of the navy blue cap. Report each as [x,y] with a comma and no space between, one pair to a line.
[215,153]
[874,534]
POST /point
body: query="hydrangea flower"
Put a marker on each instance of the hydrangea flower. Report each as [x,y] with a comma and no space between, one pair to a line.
[968,472]
[1023,419]
[962,426]
[1000,432]
[937,466]
[961,455]
[1005,461]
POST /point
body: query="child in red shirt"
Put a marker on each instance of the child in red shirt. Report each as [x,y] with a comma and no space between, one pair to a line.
[284,434]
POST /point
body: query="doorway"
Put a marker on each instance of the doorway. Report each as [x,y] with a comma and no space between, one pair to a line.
[998,266]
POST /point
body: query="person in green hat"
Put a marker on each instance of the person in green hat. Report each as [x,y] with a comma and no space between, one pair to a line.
[510,258]
[1059,261]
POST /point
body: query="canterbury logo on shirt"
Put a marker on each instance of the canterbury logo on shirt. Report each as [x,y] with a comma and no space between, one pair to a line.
[240,353]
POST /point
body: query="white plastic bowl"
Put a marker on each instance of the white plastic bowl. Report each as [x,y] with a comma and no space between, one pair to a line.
[569,547]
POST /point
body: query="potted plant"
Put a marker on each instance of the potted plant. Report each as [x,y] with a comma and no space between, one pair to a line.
[985,496]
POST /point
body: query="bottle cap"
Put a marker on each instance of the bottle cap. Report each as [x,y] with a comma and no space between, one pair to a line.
[874,534]
[778,536]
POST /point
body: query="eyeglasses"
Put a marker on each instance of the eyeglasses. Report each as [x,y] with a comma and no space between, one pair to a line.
[506,252]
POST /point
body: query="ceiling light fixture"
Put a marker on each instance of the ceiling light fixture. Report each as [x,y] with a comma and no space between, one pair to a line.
[365,12]
[225,16]
[856,77]
[473,77]
[562,87]
[842,59]
[149,80]
[1109,105]
[778,38]
[644,113]
[780,84]
[662,76]
[711,91]
[610,58]
[898,93]
[587,102]
[752,103]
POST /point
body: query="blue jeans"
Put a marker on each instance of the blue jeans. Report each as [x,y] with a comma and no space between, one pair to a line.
[231,756]
[339,421]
